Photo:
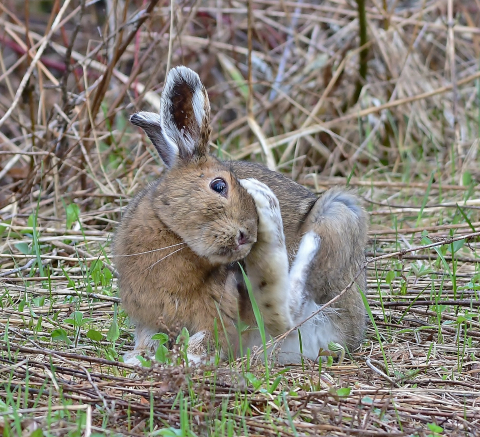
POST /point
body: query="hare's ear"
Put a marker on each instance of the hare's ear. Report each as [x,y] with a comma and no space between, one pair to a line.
[151,123]
[182,130]
[185,113]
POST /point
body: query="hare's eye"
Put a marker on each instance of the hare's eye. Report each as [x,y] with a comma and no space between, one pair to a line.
[219,186]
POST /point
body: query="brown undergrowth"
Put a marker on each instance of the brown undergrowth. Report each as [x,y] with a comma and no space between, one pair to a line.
[70,74]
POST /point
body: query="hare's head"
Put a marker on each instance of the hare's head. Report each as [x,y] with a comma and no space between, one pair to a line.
[199,198]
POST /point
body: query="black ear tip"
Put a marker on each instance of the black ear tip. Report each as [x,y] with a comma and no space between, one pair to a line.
[182,74]
[146,119]
[135,119]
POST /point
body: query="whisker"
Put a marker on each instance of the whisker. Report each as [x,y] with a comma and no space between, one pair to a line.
[161,259]
[153,250]
[149,251]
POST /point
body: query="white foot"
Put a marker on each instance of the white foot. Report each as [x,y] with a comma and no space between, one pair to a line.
[270,226]
[267,263]
[131,359]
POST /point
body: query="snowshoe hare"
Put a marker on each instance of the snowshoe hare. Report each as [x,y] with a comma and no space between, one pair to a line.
[179,242]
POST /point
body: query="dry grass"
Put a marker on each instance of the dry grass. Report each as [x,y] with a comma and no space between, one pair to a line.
[70,74]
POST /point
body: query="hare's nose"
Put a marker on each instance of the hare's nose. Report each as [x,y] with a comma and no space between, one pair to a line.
[242,238]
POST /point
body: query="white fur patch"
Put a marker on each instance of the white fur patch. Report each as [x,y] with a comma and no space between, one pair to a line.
[197,351]
[151,123]
[198,104]
[131,359]
[172,134]
[309,247]
[268,209]
[267,263]
[151,118]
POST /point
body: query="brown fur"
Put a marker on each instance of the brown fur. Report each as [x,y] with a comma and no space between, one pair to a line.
[184,288]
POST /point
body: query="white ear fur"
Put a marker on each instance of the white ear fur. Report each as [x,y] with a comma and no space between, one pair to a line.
[151,123]
[184,110]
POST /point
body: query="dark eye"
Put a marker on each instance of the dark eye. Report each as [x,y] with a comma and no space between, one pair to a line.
[219,186]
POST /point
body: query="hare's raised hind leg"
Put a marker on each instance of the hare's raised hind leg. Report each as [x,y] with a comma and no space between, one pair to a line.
[307,251]
[330,256]
[267,263]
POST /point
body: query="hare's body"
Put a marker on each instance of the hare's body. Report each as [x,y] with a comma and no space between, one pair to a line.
[177,247]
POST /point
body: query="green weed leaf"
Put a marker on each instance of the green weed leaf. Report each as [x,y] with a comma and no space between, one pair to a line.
[100,275]
[38,301]
[76,319]
[21,305]
[144,362]
[113,333]
[457,245]
[390,277]
[426,241]
[466,178]
[60,335]
[274,385]
[344,392]
[434,428]
[24,248]
[73,213]
[31,221]
[161,355]
[161,337]
[168,432]
[367,400]
[252,379]
[94,335]
[183,337]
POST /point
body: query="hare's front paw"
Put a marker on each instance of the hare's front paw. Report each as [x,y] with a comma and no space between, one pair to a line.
[131,359]
[270,225]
